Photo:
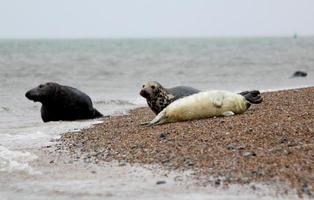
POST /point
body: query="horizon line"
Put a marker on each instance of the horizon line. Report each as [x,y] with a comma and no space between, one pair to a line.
[294,35]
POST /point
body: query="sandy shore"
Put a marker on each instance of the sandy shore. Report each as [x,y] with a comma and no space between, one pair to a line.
[271,142]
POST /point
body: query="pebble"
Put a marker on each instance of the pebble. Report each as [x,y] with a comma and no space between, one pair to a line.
[122,163]
[217,182]
[249,154]
[163,136]
[231,147]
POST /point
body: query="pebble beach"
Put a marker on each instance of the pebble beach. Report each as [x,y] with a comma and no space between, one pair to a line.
[271,142]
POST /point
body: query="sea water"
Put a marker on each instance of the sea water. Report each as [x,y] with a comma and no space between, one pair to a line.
[111,72]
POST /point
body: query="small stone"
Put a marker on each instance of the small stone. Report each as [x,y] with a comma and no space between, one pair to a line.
[178,178]
[306,190]
[249,130]
[51,161]
[283,140]
[160,182]
[122,163]
[253,187]
[241,147]
[286,152]
[249,154]
[163,136]
[245,180]
[231,147]
[188,162]
[217,182]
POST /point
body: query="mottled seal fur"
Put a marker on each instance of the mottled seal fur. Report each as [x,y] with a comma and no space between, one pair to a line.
[207,104]
[61,102]
[158,97]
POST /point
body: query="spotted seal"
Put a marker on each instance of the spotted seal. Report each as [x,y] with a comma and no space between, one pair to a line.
[158,97]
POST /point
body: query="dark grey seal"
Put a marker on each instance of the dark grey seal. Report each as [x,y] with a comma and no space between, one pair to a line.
[61,102]
[299,74]
[158,97]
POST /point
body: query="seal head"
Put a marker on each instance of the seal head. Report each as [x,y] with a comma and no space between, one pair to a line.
[43,92]
[156,95]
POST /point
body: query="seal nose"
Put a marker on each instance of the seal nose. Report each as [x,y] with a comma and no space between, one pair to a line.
[31,95]
[28,94]
[144,93]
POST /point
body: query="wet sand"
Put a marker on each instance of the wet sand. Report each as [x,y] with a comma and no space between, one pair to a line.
[272,142]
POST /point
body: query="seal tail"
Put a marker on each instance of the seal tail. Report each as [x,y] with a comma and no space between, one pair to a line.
[97,114]
[253,96]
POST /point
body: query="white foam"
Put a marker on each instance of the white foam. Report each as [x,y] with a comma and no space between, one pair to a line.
[38,135]
[16,161]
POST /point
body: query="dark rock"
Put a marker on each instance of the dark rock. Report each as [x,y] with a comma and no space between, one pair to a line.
[306,190]
[163,136]
[299,74]
[249,154]
[231,147]
[160,182]
[188,162]
[122,163]
[253,187]
[249,130]
[217,182]
[241,147]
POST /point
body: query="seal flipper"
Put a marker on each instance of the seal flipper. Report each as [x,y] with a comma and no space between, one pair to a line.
[144,123]
[97,114]
[252,96]
[159,119]
[228,113]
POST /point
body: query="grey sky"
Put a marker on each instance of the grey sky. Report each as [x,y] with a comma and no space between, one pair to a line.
[154,18]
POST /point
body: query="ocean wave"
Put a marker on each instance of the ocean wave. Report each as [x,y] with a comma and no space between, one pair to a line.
[4,109]
[118,102]
[16,161]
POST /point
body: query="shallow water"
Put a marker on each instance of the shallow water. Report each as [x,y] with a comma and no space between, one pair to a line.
[111,73]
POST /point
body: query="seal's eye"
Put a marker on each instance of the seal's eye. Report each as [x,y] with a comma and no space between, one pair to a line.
[40,86]
[143,86]
[153,87]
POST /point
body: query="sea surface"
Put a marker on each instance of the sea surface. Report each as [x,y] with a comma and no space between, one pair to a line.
[111,72]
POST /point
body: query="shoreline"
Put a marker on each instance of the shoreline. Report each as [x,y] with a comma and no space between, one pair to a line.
[271,142]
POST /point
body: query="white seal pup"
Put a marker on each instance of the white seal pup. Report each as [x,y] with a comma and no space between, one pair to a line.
[207,104]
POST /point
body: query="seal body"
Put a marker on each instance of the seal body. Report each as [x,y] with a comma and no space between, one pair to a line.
[158,97]
[299,74]
[62,103]
[204,105]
